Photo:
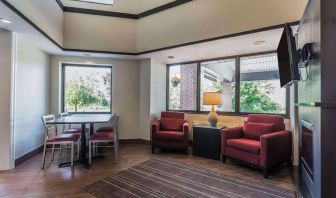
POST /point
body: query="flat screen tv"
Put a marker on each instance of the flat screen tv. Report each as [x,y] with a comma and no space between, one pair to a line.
[288,58]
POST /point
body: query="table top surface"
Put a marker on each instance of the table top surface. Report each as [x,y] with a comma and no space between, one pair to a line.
[82,119]
[210,127]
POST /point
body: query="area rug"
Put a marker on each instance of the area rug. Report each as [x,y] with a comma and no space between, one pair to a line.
[162,177]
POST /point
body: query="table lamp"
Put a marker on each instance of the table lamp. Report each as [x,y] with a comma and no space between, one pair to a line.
[212,98]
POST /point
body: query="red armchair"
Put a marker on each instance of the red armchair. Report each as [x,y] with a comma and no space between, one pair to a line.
[262,141]
[170,132]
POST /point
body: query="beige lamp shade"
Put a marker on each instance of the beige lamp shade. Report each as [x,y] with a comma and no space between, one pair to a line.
[212,98]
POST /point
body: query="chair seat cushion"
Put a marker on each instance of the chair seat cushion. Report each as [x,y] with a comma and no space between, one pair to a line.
[171,124]
[243,144]
[170,135]
[108,136]
[64,138]
[72,130]
[105,129]
[254,130]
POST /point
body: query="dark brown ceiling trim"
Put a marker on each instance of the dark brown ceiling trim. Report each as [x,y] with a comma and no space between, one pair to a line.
[220,37]
[100,13]
[162,8]
[101,52]
[119,14]
[148,51]
[59,2]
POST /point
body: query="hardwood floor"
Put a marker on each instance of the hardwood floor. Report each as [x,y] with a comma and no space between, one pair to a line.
[29,180]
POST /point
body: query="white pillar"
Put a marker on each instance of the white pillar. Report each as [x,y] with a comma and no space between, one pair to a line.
[7,71]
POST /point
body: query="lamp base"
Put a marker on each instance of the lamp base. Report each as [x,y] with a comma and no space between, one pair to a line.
[213,117]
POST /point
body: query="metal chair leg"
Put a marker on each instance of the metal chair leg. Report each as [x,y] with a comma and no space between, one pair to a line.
[90,157]
[116,152]
[53,152]
[78,146]
[60,150]
[44,154]
[72,154]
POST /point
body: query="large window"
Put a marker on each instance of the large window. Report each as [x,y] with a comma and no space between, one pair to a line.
[218,76]
[86,89]
[260,90]
[183,87]
[249,84]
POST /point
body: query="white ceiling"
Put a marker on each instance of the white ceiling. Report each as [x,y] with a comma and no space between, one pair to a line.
[123,6]
[213,49]
[232,46]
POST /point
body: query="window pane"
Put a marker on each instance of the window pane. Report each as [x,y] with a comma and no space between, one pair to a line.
[219,76]
[260,90]
[183,87]
[87,89]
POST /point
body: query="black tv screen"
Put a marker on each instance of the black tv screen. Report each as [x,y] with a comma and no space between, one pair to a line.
[288,58]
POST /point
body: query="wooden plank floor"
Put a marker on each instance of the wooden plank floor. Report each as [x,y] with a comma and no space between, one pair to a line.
[29,180]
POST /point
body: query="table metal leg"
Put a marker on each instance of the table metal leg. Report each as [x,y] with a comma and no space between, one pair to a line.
[82,155]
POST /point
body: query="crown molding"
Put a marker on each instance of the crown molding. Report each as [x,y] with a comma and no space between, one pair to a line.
[120,14]
[148,51]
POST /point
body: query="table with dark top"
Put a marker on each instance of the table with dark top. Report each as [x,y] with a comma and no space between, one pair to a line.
[207,141]
[82,120]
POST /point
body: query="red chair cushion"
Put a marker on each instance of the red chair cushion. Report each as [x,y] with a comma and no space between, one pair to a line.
[277,120]
[247,145]
[253,130]
[105,129]
[170,135]
[73,130]
[108,136]
[178,115]
[64,138]
[171,124]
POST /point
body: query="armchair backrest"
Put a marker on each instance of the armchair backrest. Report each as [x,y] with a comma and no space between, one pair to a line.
[278,121]
[178,115]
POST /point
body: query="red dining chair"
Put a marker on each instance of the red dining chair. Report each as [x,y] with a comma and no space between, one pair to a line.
[52,138]
[68,129]
[106,137]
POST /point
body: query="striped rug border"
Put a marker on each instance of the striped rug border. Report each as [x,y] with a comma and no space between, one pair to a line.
[244,183]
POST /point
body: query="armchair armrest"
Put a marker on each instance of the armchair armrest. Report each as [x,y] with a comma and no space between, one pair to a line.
[230,133]
[275,148]
[155,129]
[186,131]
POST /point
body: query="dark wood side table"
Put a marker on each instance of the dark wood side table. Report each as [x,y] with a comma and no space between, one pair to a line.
[207,141]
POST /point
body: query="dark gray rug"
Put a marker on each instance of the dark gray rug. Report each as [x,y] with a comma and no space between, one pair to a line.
[161,177]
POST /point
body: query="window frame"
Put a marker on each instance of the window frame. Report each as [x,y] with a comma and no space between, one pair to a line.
[64,65]
[236,111]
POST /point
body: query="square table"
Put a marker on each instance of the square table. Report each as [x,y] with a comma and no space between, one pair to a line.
[82,120]
[207,141]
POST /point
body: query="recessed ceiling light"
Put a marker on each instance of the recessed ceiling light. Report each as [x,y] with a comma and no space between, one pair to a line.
[86,54]
[5,20]
[259,42]
[171,57]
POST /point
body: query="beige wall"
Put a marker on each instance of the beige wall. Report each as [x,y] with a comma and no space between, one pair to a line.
[145,99]
[46,14]
[125,89]
[83,31]
[6,84]
[158,89]
[32,96]
[202,19]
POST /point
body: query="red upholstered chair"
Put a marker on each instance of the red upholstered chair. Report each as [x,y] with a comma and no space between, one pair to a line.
[106,136]
[52,138]
[262,141]
[171,132]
